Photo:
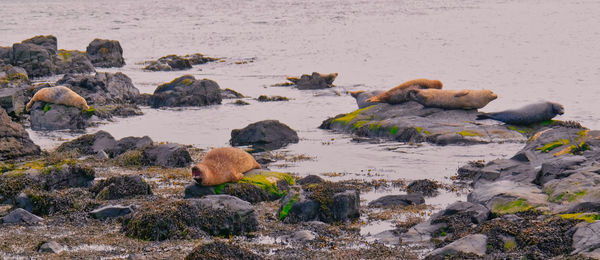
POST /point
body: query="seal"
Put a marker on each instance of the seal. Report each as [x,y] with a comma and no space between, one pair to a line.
[58,95]
[529,114]
[361,97]
[453,99]
[401,93]
[224,164]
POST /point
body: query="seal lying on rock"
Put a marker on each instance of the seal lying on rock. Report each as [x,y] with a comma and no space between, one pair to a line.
[401,93]
[361,97]
[533,113]
[453,99]
[59,95]
[224,164]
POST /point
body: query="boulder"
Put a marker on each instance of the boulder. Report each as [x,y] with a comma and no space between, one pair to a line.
[14,85]
[424,187]
[217,250]
[327,202]
[48,116]
[175,62]
[50,247]
[120,187]
[47,42]
[38,61]
[397,201]
[361,98]
[73,61]
[6,55]
[102,88]
[14,140]
[230,93]
[166,155]
[221,215]
[90,144]
[105,53]
[471,244]
[111,211]
[66,174]
[186,91]
[127,144]
[314,81]
[264,135]
[586,240]
[507,197]
[264,98]
[476,213]
[199,58]
[19,216]
[63,201]
[310,179]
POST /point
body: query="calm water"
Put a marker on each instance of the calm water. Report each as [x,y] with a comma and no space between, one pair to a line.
[525,51]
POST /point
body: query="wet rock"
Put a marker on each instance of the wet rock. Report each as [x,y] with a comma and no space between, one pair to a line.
[558,169]
[73,61]
[474,244]
[14,140]
[47,42]
[411,122]
[105,53]
[166,155]
[361,98]
[230,93]
[327,202]
[169,63]
[121,187]
[585,206]
[424,187]
[14,85]
[264,98]
[421,233]
[299,236]
[50,247]
[6,55]
[102,88]
[586,240]
[48,116]
[199,58]
[476,213]
[264,135]
[507,197]
[194,190]
[314,81]
[310,179]
[214,214]
[111,211]
[19,216]
[37,57]
[128,143]
[220,250]
[397,201]
[186,91]
[66,175]
[577,188]
[90,144]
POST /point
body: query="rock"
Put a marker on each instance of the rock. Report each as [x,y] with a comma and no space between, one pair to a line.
[50,247]
[199,58]
[73,61]
[230,93]
[6,55]
[222,215]
[90,144]
[13,76]
[14,140]
[263,98]
[37,60]
[558,169]
[346,206]
[102,88]
[397,201]
[121,187]
[48,116]
[421,233]
[310,179]
[424,187]
[111,211]
[240,102]
[19,216]
[586,206]
[169,63]
[23,201]
[411,122]
[328,202]
[507,197]
[476,213]
[586,240]
[129,143]
[361,98]
[299,236]
[314,81]
[217,250]
[14,84]
[473,244]
[166,155]
[63,201]
[194,190]
[264,135]
[105,53]
[66,175]
[186,91]
[47,42]
[578,188]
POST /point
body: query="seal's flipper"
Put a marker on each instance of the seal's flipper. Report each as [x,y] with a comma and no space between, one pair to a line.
[461,93]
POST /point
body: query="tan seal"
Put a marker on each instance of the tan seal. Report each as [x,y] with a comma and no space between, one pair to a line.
[59,95]
[401,93]
[224,164]
[453,99]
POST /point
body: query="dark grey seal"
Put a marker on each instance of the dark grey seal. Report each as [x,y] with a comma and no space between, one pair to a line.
[526,115]
[361,97]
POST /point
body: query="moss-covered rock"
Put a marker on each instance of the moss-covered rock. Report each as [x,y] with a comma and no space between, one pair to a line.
[120,187]
[221,250]
[63,201]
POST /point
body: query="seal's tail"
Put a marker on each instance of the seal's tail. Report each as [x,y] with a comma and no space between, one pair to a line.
[483,115]
[28,107]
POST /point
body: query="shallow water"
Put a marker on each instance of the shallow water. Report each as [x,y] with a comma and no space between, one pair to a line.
[525,51]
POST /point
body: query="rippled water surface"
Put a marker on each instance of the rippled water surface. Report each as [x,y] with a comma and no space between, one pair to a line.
[525,51]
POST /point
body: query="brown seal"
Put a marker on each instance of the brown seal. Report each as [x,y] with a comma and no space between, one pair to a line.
[59,95]
[453,99]
[224,164]
[401,93]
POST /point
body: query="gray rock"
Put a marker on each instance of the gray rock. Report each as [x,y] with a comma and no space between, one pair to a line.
[6,55]
[35,59]
[121,187]
[299,236]
[50,247]
[421,233]
[346,206]
[558,169]
[264,135]
[586,239]
[73,61]
[105,53]
[66,175]
[47,42]
[14,140]
[361,98]
[102,88]
[397,201]
[111,211]
[167,155]
[478,213]
[57,117]
[230,93]
[14,84]
[264,98]
[199,58]
[193,190]
[90,144]
[496,195]
[23,201]
[313,81]
[129,143]
[169,63]
[186,91]
[474,244]
[578,188]
[310,179]
[424,187]
[19,216]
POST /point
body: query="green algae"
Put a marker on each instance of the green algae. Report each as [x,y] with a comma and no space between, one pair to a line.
[510,245]
[267,181]
[65,55]
[394,130]
[588,217]
[547,122]
[567,196]
[90,111]
[187,82]
[465,133]
[286,208]
[522,131]
[511,207]
[350,116]
[552,145]
[47,107]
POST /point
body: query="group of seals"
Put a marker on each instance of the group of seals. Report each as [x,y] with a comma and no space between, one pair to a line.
[224,164]
[401,93]
[58,95]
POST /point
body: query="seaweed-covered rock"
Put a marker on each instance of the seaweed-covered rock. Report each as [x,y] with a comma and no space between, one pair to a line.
[90,144]
[66,175]
[105,53]
[169,63]
[129,143]
[121,187]
[214,214]
[47,42]
[264,98]
[111,211]
[36,55]
[14,140]
[424,187]
[44,203]
[220,250]
[264,135]
[230,93]
[199,58]
[476,213]
[166,155]
[73,61]
[310,179]
[314,81]
[48,116]
[102,88]
[19,216]
[397,201]
[412,122]
[471,244]
[186,91]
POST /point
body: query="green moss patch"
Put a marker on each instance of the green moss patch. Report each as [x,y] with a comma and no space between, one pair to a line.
[465,133]
[90,111]
[268,181]
[514,128]
[286,208]
[64,55]
[568,196]
[47,107]
[511,207]
[350,116]
[393,130]
[588,217]
[551,146]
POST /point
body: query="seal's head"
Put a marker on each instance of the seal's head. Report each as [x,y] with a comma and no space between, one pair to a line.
[557,108]
[491,95]
[200,172]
